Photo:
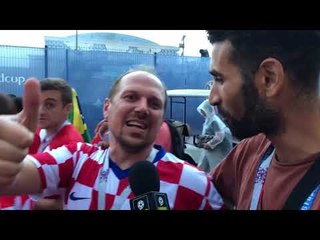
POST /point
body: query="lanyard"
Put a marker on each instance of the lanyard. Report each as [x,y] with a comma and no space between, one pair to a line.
[261,177]
[308,203]
[103,180]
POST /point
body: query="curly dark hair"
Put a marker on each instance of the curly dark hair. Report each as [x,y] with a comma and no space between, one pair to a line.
[298,52]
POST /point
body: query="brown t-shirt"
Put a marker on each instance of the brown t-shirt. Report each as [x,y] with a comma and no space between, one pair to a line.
[234,176]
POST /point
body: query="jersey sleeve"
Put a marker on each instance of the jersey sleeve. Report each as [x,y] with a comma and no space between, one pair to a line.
[56,168]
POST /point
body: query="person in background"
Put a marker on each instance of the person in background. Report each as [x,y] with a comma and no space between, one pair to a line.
[7,105]
[101,131]
[170,139]
[216,138]
[95,178]
[54,130]
[266,87]
[17,101]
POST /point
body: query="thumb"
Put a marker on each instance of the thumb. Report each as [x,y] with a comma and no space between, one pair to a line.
[31,104]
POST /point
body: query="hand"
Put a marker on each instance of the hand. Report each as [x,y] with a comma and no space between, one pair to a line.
[103,144]
[16,133]
[102,127]
[206,146]
[31,104]
[49,204]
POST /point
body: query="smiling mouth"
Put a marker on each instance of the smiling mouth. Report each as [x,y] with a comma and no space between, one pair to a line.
[137,124]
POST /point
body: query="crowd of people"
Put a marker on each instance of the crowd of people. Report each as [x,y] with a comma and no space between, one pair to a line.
[266,90]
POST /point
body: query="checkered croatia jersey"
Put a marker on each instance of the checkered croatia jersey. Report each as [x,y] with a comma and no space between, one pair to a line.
[76,168]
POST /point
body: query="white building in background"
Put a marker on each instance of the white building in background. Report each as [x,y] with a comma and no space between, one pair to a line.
[104,41]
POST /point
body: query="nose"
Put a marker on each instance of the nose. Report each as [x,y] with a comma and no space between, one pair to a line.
[214,97]
[42,108]
[142,107]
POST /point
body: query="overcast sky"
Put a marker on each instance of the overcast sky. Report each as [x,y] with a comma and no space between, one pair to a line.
[194,40]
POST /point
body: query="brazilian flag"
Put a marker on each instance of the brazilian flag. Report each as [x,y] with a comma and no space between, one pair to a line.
[77,119]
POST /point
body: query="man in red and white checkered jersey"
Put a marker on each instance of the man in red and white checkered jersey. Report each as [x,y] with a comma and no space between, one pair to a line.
[77,167]
[96,178]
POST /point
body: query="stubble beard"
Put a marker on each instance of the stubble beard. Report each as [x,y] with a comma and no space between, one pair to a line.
[257,118]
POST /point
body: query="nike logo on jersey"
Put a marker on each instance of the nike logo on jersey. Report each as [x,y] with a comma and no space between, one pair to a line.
[74,198]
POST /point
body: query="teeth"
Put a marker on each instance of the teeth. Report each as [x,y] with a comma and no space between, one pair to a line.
[136,124]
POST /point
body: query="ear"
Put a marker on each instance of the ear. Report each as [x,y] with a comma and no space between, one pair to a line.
[270,77]
[105,108]
[68,107]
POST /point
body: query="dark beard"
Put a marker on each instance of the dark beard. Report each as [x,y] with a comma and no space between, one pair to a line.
[258,117]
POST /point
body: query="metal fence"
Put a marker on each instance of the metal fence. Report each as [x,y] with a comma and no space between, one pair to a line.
[92,72]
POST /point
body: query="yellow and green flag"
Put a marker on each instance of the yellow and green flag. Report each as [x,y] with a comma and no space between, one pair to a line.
[77,119]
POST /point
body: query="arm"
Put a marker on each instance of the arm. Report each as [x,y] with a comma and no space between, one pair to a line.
[27,181]
[214,127]
[215,141]
[46,173]
[101,127]
[101,130]
[17,173]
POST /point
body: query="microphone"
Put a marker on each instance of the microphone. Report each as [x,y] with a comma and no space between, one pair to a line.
[144,182]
